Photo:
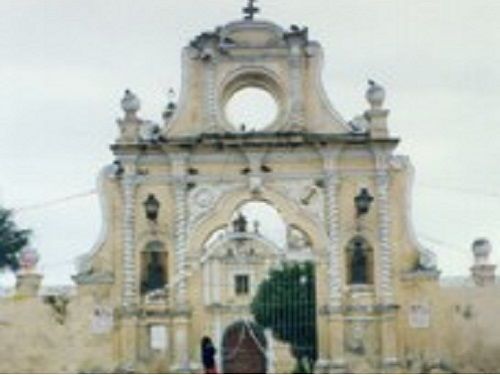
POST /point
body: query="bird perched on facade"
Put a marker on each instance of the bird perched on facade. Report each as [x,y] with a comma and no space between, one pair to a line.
[118,168]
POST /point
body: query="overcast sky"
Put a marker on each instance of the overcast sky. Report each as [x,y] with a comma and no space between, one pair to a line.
[64,66]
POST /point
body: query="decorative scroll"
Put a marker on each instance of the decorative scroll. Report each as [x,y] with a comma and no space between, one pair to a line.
[202,200]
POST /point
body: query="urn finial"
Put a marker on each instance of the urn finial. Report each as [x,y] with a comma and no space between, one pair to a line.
[483,270]
[375,94]
[130,103]
[28,259]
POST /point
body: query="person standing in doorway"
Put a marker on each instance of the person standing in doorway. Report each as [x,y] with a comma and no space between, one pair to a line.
[208,355]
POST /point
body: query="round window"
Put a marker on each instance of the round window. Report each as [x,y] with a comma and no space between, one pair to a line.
[251,109]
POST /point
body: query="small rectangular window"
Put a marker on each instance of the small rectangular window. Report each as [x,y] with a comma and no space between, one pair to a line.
[242,285]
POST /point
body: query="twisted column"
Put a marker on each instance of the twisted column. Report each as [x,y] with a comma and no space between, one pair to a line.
[333,228]
[129,290]
[333,248]
[180,242]
[384,229]
[180,235]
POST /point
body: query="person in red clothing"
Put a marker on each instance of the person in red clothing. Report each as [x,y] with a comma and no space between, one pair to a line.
[208,355]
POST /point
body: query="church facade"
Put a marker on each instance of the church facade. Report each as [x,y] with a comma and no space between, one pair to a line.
[178,260]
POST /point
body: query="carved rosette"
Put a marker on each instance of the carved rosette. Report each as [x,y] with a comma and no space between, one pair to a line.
[129,281]
[202,200]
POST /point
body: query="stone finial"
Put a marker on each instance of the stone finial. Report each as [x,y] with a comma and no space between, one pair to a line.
[376,115]
[483,271]
[481,248]
[27,280]
[130,125]
[28,259]
[375,94]
[130,103]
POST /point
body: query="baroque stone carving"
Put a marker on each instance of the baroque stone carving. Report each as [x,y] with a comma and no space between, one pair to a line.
[203,199]
[306,195]
[355,340]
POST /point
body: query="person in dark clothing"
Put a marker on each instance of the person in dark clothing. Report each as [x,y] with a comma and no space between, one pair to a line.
[208,355]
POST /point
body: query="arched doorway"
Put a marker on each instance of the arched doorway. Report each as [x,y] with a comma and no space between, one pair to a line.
[244,348]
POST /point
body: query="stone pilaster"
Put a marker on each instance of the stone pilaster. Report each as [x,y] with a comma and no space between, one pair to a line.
[335,260]
[180,192]
[217,339]
[333,249]
[181,350]
[336,330]
[385,287]
[181,344]
[388,329]
[28,284]
[378,122]
[210,113]
[128,342]
[129,289]
[334,253]
[296,97]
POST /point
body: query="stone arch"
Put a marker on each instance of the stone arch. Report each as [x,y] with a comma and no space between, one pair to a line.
[146,237]
[244,349]
[268,245]
[228,203]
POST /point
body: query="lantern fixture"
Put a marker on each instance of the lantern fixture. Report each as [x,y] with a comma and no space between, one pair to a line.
[151,206]
[362,201]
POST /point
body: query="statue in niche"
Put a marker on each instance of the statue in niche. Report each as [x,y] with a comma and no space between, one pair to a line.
[359,262]
[155,278]
[240,224]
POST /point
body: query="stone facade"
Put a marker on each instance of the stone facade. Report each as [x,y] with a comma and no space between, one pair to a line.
[311,165]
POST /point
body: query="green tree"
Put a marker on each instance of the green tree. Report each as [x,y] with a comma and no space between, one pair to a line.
[286,303]
[12,240]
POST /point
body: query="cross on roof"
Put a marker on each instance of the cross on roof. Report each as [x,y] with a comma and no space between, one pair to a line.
[250,10]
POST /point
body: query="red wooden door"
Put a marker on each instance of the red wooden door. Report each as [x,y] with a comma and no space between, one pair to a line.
[243,349]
